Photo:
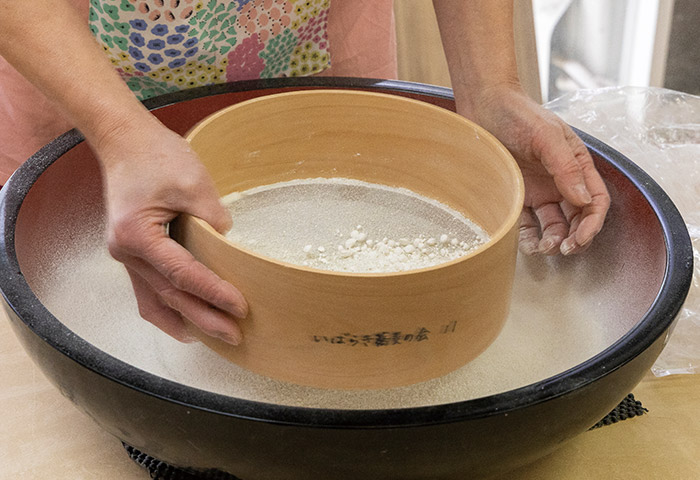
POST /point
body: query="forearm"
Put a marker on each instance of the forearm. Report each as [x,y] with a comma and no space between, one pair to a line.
[50,44]
[477,37]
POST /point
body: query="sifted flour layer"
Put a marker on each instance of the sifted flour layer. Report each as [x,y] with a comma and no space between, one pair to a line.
[348,225]
[553,325]
[564,311]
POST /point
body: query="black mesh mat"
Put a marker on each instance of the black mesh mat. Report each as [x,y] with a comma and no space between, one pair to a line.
[628,408]
[162,471]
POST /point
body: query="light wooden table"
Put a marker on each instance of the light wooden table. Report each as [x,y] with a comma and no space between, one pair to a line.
[43,436]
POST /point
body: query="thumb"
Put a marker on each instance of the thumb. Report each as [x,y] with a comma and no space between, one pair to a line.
[206,204]
[563,159]
[215,214]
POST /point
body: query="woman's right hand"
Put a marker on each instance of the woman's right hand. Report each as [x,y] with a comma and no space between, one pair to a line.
[151,176]
[150,173]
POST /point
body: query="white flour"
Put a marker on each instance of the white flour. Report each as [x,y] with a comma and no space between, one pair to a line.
[564,311]
[349,225]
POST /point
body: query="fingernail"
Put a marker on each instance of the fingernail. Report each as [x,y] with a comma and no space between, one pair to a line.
[585,242]
[567,246]
[228,338]
[547,245]
[189,339]
[529,248]
[226,220]
[238,311]
[582,193]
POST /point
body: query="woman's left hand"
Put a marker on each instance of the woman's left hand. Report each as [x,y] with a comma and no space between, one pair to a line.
[566,200]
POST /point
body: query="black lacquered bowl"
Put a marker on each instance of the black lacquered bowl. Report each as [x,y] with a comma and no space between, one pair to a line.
[49,204]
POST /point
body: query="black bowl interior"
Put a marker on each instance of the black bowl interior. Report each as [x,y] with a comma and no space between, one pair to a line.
[579,319]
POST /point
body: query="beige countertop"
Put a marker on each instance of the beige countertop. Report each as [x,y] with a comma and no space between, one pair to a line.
[43,436]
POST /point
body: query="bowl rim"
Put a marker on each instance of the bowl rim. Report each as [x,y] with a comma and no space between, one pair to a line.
[28,309]
[508,224]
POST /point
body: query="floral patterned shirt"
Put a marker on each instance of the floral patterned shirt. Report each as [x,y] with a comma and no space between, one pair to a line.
[160,46]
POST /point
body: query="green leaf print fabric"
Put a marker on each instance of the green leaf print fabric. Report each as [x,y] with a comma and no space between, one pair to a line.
[160,46]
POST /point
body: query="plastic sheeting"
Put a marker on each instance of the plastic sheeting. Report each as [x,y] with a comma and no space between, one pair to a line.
[659,130]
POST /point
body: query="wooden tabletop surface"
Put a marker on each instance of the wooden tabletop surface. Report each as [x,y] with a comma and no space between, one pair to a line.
[43,436]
